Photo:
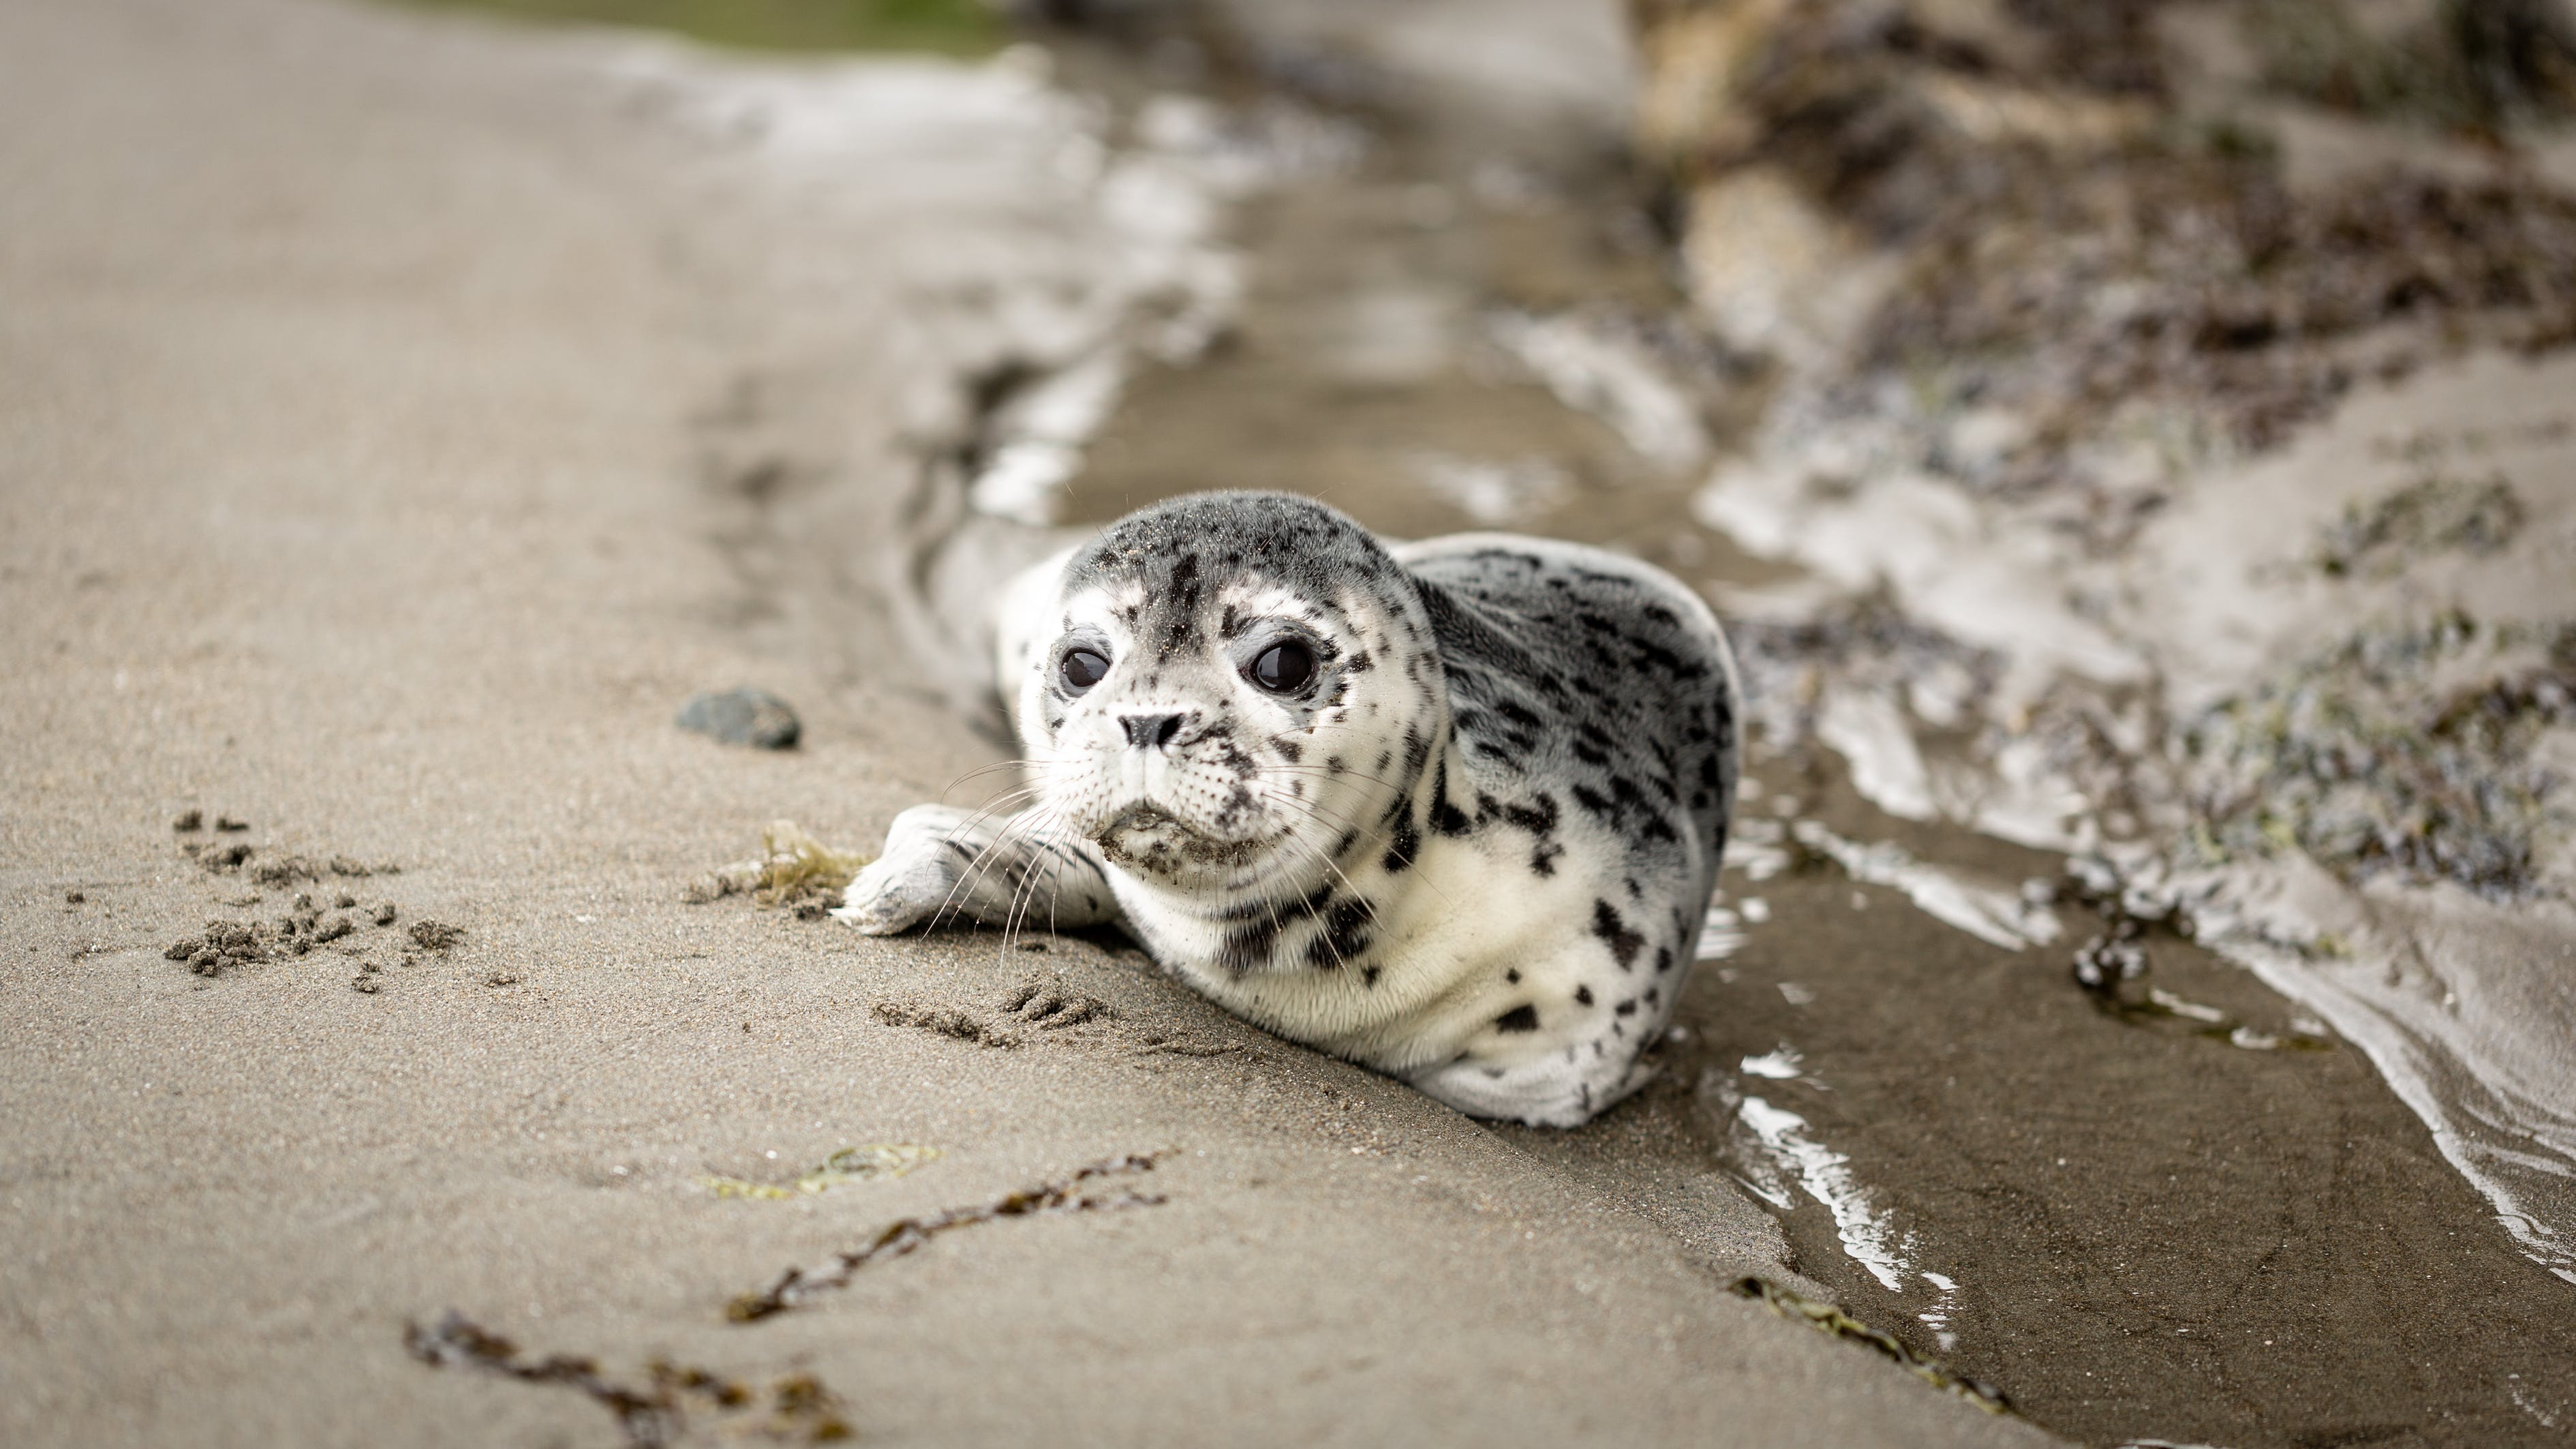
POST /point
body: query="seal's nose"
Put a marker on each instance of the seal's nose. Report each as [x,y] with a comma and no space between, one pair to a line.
[1152,731]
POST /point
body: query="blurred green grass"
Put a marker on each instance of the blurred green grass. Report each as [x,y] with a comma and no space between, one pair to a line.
[946,27]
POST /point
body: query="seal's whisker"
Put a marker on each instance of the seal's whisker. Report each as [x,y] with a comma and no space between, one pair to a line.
[1022,894]
[1038,767]
[982,861]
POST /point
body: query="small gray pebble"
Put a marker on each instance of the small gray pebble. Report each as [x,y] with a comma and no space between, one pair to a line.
[743,717]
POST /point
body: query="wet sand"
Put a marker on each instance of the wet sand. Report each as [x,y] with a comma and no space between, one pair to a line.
[404,419]
[2206,1222]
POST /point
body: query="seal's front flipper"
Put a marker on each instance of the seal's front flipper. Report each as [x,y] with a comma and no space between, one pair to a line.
[944,864]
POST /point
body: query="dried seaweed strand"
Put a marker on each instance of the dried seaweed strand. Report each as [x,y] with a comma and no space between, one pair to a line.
[908,1235]
[649,1420]
[801,1410]
[1826,1318]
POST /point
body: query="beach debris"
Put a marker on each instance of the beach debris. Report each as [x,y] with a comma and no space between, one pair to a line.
[189,820]
[73,898]
[871,1163]
[1827,1319]
[2112,969]
[222,858]
[795,1408]
[229,825]
[909,1235]
[744,716]
[224,944]
[435,935]
[944,1021]
[2104,963]
[285,870]
[2411,750]
[2430,515]
[384,913]
[793,869]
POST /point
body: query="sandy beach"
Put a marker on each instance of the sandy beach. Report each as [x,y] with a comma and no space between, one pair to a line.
[2134,473]
[399,420]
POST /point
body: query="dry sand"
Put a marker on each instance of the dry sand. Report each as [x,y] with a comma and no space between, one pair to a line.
[371,393]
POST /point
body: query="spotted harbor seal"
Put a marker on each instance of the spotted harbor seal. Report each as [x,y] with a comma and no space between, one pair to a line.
[1451,809]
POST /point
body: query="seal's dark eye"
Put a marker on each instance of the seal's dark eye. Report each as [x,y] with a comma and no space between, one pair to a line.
[1082,668]
[1282,667]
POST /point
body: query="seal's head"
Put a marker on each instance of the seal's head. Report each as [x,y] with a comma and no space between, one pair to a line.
[1238,690]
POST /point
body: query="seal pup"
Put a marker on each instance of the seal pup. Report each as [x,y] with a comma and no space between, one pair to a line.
[1451,809]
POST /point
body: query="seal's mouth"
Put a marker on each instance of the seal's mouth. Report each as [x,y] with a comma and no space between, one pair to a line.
[1149,838]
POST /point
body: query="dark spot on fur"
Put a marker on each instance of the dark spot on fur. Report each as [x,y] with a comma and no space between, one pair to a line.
[1624,944]
[1523,1017]
[1247,946]
[1583,994]
[1344,936]
[1406,844]
[1538,818]
[1446,818]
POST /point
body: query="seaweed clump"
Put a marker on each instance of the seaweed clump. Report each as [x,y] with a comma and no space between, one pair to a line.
[2468,65]
[2084,284]
[794,869]
[2359,758]
[2436,513]
[2200,281]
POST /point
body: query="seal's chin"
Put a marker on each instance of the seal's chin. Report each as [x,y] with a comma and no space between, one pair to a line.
[1149,840]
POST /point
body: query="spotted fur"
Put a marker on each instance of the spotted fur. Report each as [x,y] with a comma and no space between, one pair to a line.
[1473,851]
